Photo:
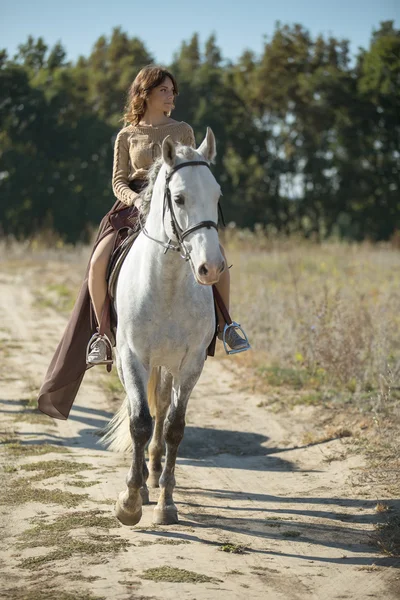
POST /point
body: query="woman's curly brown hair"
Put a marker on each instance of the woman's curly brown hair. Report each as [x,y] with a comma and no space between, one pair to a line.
[147,79]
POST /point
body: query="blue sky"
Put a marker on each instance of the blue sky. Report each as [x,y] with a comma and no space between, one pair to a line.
[162,26]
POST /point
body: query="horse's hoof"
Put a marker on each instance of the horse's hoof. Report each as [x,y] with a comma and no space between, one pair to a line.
[144,493]
[165,516]
[128,510]
[153,479]
[127,518]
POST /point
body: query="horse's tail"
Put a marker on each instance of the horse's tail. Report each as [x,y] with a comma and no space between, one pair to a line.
[152,389]
[117,435]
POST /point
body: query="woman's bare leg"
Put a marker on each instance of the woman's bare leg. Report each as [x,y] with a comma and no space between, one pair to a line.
[97,274]
[223,287]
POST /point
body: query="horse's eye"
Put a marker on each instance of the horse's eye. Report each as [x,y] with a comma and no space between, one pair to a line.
[180,200]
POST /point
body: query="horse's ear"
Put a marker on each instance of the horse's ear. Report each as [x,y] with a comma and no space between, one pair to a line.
[208,146]
[168,151]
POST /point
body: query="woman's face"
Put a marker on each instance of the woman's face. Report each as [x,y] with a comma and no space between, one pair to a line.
[162,97]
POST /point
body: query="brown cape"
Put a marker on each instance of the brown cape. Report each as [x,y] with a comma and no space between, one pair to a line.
[68,366]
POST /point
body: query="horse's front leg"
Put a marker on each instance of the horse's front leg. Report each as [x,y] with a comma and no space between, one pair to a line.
[156,446]
[166,513]
[129,504]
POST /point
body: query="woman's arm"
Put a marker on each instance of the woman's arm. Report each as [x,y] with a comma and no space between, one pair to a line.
[120,174]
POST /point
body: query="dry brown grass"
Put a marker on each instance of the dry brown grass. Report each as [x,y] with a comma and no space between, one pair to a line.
[330,310]
[324,322]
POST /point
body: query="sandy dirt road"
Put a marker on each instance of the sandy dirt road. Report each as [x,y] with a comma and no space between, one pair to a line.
[262,515]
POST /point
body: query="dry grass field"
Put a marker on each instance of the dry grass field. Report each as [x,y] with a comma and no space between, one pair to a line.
[321,317]
[324,322]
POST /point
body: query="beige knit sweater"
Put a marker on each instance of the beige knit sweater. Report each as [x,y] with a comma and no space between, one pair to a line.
[136,148]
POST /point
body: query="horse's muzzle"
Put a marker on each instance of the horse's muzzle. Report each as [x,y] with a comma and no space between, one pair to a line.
[209,274]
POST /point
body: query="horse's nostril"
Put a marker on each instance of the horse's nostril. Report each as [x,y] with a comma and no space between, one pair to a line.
[203,269]
[222,267]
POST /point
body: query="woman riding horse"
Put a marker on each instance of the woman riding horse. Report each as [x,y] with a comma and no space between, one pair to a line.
[150,103]
[151,100]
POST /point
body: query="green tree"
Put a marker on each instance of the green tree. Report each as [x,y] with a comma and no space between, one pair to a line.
[112,66]
[55,157]
[306,140]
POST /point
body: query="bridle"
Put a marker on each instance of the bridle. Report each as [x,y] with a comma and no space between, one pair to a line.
[176,228]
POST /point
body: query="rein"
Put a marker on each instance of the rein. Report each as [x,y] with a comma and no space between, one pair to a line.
[176,228]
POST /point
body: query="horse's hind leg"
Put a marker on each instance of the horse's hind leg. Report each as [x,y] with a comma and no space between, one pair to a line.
[166,513]
[129,503]
[156,447]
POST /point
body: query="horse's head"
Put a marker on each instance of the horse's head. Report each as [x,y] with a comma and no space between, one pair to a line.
[193,205]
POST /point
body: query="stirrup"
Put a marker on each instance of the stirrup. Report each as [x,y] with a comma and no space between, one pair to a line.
[236,326]
[95,336]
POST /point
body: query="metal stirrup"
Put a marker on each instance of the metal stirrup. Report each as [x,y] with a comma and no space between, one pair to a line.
[104,337]
[245,338]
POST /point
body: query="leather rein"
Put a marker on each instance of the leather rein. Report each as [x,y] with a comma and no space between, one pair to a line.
[176,228]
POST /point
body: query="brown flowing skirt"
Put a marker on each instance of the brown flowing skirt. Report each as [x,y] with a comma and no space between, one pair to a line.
[68,366]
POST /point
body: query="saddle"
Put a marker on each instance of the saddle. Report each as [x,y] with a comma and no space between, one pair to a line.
[117,258]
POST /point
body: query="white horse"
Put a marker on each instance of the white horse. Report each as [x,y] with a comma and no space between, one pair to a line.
[166,321]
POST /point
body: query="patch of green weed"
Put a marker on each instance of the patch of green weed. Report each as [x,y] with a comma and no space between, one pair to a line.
[22,492]
[19,449]
[387,535]
[9,469]
[47,534]
[54,468]
[175,575]
[291,533]
[232,548]
[83,484]
[48,592]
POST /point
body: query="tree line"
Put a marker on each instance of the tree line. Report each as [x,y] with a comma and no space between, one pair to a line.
[307,134]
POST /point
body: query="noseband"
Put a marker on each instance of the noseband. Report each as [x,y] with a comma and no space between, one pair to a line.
[176,228]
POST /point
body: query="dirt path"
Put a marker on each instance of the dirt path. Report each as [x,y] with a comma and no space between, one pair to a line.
[263,516]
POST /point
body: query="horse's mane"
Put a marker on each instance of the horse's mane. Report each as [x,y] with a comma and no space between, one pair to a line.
[145,196]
